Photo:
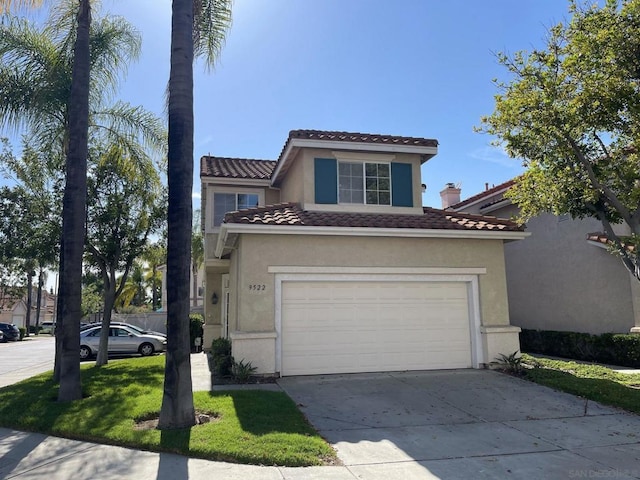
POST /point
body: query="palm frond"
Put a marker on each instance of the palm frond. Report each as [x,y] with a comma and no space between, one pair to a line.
[211,21]
[125,123]
[9,5]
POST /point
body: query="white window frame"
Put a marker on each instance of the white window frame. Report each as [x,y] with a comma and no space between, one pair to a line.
[364,158]
[364,164]
[235,190]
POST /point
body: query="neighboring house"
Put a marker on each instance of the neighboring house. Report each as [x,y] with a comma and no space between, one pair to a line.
[562,277]
[13,309]
[325,261]
[196,291]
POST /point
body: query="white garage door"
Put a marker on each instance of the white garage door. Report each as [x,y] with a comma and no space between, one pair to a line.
[355,326]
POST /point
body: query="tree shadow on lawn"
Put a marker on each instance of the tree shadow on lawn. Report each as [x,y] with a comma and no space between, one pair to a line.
[32,404]
[261,412]
[599,390]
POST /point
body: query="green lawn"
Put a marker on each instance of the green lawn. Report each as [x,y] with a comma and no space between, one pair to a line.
[594,382]
[250,426]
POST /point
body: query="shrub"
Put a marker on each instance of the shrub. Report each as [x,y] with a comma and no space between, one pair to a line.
[510,363]
[609,348]
[241,371]
[222,359]
[22,332]
[195,329]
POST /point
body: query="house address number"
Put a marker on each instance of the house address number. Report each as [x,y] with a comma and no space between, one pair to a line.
[257,287]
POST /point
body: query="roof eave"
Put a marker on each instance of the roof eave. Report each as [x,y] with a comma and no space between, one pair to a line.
[480,200]
[226,229]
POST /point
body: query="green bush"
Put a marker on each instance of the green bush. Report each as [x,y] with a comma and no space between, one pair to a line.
[23,331]
[222,359]
[609,348]
[195,329]
[241,371]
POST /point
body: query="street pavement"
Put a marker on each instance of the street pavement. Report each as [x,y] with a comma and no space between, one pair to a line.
[414,425]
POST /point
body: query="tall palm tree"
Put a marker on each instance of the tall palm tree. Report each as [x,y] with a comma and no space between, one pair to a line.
[74,106]
[197,26]
[74,206]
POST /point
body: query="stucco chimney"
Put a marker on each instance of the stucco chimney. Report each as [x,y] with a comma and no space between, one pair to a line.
[450,195]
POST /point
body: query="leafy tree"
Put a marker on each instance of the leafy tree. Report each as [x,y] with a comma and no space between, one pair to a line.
[31,227]
[53,100]
[122,213]
[571,112]
[92,300]
[197,26]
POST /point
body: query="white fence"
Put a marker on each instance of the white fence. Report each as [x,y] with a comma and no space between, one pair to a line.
[156,321]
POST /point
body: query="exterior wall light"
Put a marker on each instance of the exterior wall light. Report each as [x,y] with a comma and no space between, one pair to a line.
[214,298]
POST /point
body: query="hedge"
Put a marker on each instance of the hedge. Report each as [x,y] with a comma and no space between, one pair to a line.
[610,348]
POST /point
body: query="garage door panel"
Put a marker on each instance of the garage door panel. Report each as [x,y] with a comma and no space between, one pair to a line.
[348,326]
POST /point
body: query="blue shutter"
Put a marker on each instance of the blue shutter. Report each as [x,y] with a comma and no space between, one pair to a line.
[326,180]
[401,185]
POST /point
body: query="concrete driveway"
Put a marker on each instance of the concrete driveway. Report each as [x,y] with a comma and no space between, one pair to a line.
[466,424]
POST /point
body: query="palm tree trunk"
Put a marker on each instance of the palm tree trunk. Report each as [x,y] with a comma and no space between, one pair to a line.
[74,212]
[38,300]
[27,320]
[177,401]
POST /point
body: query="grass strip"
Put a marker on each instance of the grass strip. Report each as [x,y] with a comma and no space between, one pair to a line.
[248,426]
[595,382]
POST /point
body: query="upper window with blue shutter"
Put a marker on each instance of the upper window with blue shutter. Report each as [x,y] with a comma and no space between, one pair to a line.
[363,183]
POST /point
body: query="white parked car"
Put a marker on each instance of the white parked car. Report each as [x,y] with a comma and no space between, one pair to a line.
[121,340]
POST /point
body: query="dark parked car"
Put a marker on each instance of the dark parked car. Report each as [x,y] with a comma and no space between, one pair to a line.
[11,333]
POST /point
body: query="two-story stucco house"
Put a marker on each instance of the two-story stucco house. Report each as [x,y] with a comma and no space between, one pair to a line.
[324,261]
[561,277]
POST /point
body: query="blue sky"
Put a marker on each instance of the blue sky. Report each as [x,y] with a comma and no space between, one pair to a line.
[411,67]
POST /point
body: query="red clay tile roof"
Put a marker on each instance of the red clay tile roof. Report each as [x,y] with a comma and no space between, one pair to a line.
[225,167]
[486,193]
[236,168]
[293,214]
[362,138]
[600,237]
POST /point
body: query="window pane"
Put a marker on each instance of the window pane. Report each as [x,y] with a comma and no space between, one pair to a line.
[247,200]
[350,182]
[222,203]
[378,183]
[371,169]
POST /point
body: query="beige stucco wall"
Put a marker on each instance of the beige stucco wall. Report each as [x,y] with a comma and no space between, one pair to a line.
[252,311]
[292,188]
